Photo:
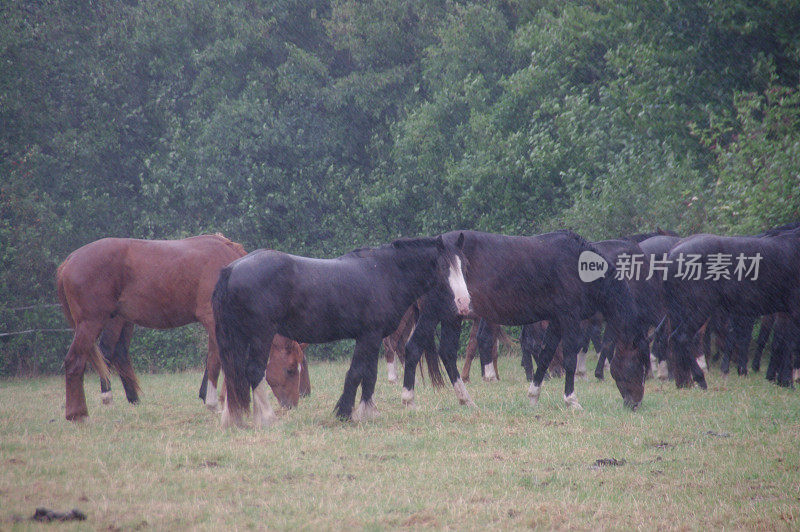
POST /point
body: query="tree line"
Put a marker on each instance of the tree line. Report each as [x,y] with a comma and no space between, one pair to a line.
[318,126]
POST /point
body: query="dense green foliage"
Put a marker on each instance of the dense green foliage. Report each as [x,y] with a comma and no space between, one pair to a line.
[316,126]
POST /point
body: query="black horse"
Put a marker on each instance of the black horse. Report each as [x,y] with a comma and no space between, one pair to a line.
[745,291]
[361,295]
[646,289]
[514,280]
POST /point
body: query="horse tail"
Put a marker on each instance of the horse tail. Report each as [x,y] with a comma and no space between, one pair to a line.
[434,371]
[233,346]
[62,296]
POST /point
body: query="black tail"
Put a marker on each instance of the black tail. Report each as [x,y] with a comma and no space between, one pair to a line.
[204,384]
[434,371]
[233,347]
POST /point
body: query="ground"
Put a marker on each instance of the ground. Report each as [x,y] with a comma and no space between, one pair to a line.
[727,457]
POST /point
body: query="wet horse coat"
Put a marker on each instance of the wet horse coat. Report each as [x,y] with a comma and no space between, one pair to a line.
[515,280]
[690,302]
[362,295]
[108,285]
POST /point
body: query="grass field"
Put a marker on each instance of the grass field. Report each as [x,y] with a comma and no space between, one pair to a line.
[728,457]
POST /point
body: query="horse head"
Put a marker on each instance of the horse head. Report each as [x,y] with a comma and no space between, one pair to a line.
[284,370]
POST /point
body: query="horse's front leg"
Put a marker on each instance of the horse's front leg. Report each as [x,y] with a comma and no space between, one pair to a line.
[363,369]
[552,337]
[448,351]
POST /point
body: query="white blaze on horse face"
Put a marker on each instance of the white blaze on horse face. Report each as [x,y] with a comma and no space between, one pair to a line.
[489,374]
[701,361]
[459,287]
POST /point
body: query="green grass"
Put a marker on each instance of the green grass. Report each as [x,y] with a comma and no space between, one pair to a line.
[728,457]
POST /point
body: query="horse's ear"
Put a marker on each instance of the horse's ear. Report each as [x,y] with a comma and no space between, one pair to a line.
[440,242]
[460,241]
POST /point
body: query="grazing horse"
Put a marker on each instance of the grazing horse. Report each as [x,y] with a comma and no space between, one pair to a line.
[648,294]
[107,286]
[775,287]
[361,295]
[515,280]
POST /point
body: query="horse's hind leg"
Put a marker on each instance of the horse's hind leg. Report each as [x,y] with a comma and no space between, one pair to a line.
[472,346]
[363,371]
[209,387]
[80,351]
[570,345]
[366,408]
[527,341]
[552,337]
[122,363]
[448,351]
[487,339]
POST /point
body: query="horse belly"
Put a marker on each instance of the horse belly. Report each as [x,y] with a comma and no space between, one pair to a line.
[156,314]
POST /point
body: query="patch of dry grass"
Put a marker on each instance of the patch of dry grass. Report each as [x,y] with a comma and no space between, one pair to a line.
[728,457]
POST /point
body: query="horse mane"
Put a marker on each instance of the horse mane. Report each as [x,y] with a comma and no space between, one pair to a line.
[237,247]
[781,229]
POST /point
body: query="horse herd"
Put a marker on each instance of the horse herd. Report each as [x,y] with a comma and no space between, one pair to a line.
[654,292]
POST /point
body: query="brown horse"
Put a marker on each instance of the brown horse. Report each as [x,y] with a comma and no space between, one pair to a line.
[498,335]
[107,286]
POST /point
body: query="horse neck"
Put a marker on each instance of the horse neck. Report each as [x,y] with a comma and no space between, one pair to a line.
[415,270]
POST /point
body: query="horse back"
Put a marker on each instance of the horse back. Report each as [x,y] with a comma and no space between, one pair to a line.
[154,283]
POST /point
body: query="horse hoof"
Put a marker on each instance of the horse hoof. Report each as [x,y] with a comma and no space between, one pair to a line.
[107,398]
[462,393]
[264,421]
[533,393]
[407,398]
[572,401]
[493,378]
[365,411]
[215,408]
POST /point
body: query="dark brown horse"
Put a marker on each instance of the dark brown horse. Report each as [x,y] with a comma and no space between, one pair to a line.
[523,280]
[107,286]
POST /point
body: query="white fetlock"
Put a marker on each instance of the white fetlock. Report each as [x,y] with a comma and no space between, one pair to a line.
[263,415]
[796,375]
[572,401]
[107,398]
[663,370]
[212,398]
[392,370]
[407,398]
[462,393]
[580,371]
[653,364]
[533,393]
[227,420]
[489,374]
[365,411]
